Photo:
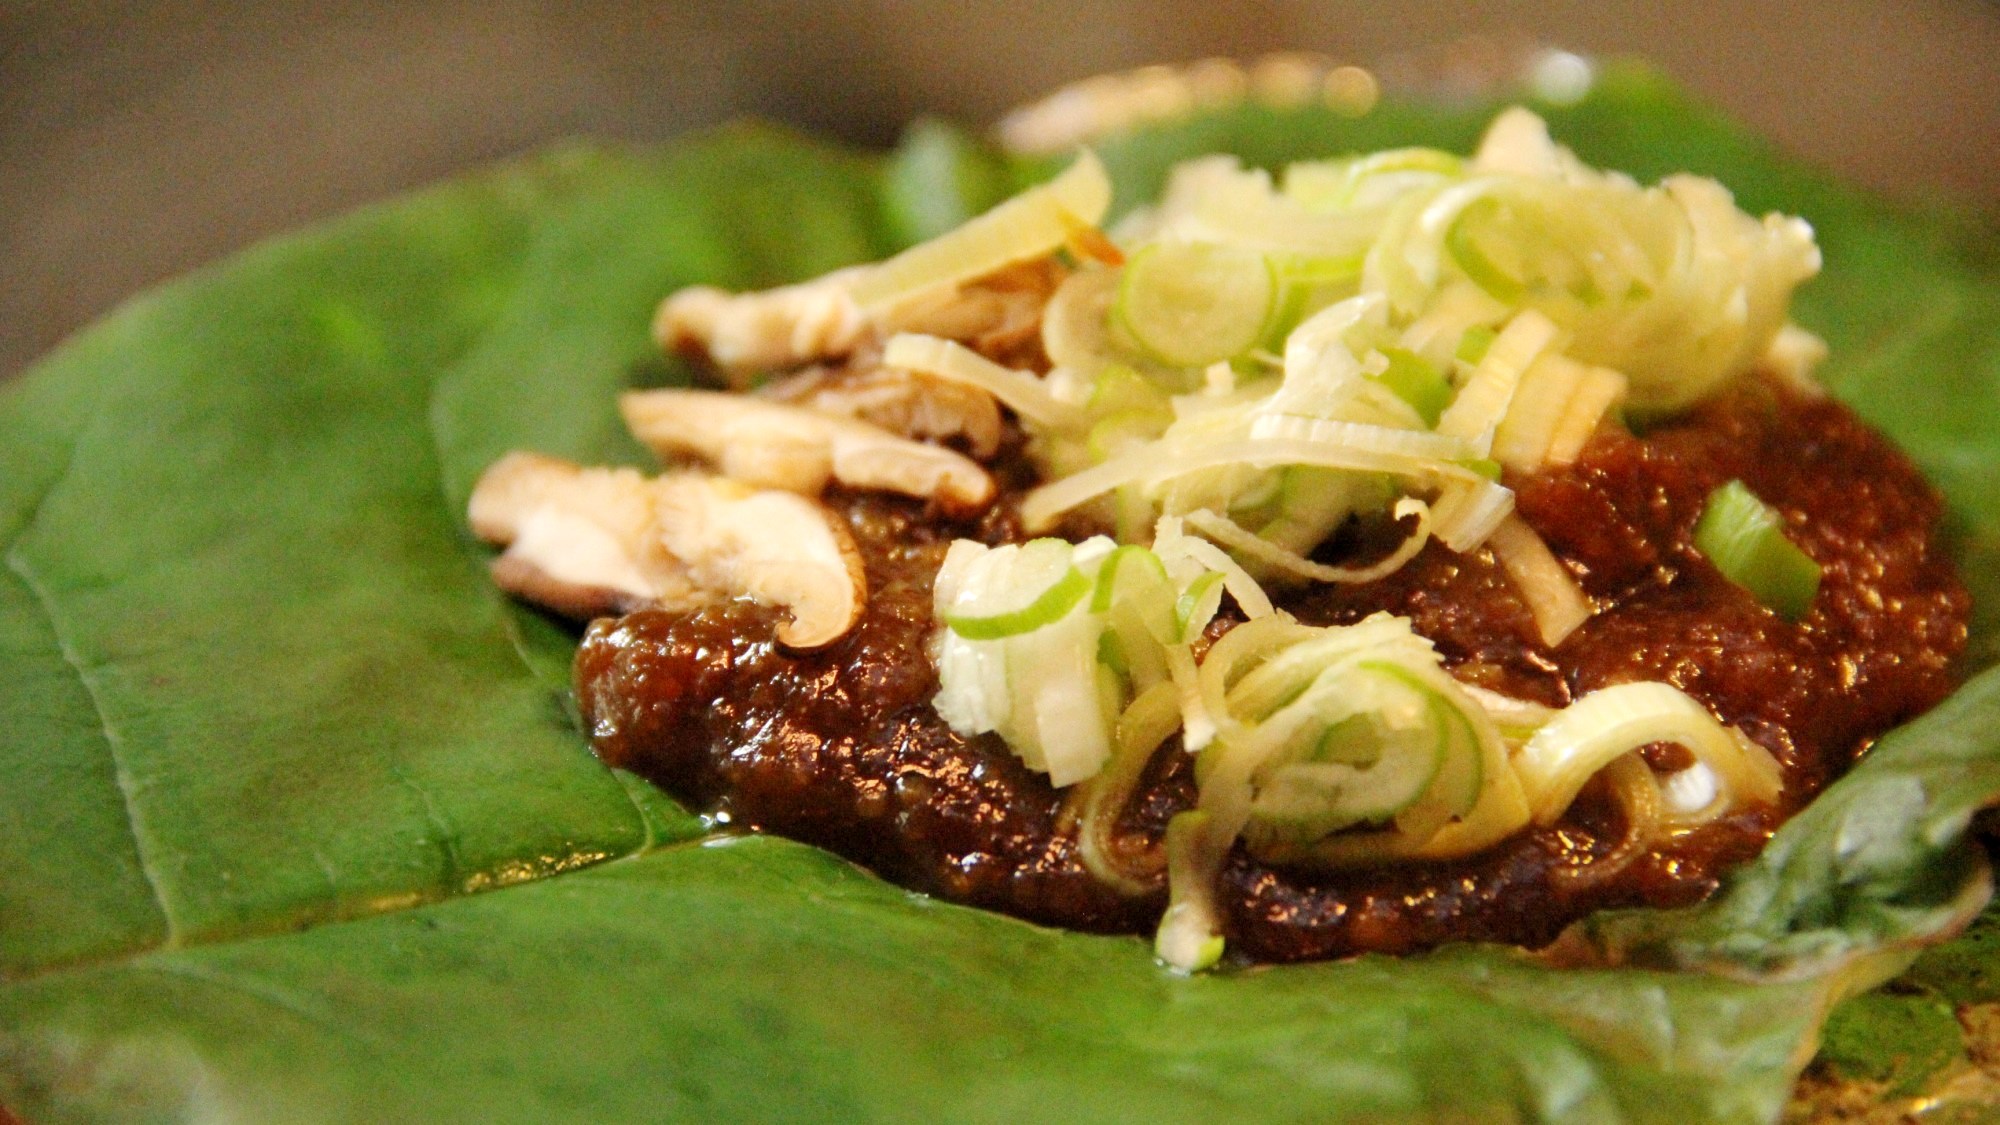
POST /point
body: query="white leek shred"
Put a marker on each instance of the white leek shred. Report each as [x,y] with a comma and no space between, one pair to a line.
[1030,225]
[1541,403]
[1476,411]
[1558,603]
[1023,392]
[1585,736]
[1598,391]
[1275,557]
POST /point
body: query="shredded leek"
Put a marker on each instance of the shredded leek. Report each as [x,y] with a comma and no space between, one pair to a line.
[1559,605]
[1589,734]
[1027,226]
[1027,395]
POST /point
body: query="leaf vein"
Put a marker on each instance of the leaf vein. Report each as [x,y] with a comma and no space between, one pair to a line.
[113,741]
[455,872]
[261,991]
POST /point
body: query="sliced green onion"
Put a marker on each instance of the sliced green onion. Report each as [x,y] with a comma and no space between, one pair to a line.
[1190,933]
[1133,577]
[1376,747]
[1745,539]
[1312,502]
[1472,346]
[1051,604]
[1074,330]
[1122,389]
[1111,654]
[1125,569]
[1324,730]
[1121,433]
[1501,811]
[1371,180]
[1470,252]
[1306,286]
[1416,382]
[1461,773]
[1197,605]
[1193,303]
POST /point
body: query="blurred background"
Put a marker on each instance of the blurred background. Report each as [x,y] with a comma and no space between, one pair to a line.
[140,138]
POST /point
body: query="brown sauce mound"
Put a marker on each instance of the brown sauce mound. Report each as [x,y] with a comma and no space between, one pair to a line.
[841,747]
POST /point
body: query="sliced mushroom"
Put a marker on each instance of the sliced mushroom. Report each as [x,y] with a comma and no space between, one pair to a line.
[779,446]
[999,316]
[908,403]
[590,541]
[747,333]
[581,541]
[778,548]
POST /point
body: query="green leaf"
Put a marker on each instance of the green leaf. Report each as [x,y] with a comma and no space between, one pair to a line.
[1900,1041]
[762,980]
[939,177]
[296,823]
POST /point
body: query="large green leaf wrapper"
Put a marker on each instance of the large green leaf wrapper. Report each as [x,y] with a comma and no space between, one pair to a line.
[297,824]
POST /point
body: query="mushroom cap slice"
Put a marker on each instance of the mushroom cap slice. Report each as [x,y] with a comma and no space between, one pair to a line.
[775,547]
[581,541]
[591,541]
[905,403]
[746,333]
[778,446]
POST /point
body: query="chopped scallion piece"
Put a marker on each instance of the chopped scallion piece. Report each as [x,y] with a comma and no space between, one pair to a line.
[1466,248]
[1193,303]
[1485,466]
[1745,539]
[1472,346]
[1050,605]
[1416,382]
[1198,604]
